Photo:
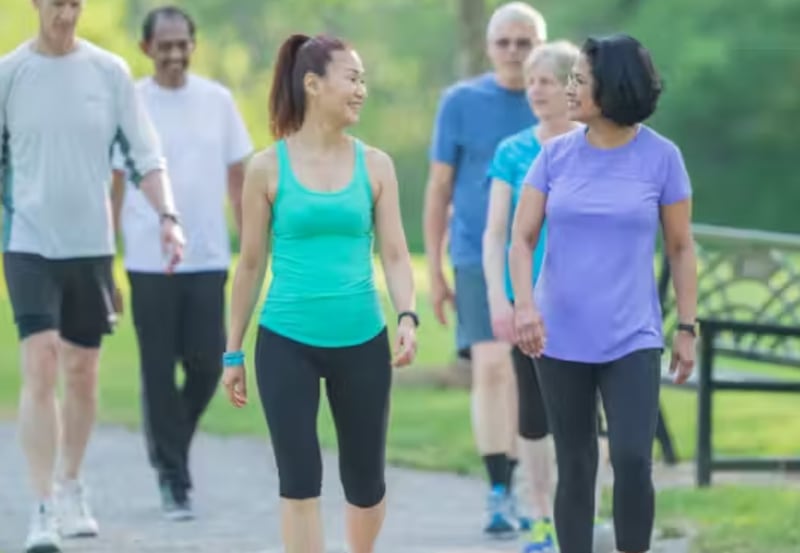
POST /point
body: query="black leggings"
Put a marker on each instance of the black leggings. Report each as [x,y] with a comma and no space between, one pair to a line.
[532,416]
[629,389]
[357,382]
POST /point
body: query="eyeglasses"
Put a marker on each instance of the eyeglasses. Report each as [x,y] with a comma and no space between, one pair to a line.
[520,43]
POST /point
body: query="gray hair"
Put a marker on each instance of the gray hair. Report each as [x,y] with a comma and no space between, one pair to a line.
[517,11]
[559,56]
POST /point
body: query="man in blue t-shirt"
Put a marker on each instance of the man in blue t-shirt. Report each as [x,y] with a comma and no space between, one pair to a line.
[473,117]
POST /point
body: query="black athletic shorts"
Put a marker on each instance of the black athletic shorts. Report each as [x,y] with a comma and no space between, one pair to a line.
[73,296]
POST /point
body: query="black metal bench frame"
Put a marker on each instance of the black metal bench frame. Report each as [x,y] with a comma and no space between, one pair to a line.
[713,326]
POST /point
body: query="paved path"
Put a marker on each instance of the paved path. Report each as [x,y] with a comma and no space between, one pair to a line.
[237,505]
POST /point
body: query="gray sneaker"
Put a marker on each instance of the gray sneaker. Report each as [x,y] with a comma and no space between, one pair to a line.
[175,503]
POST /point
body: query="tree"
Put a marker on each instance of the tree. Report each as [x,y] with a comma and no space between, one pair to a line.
[472,36]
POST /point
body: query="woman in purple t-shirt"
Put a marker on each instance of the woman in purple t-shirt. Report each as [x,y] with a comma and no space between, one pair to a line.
[594,320]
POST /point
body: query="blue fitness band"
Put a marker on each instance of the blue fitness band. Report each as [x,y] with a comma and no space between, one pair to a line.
[233,358]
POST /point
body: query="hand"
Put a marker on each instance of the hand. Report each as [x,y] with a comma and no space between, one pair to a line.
[235,382]
[681,363]
[118,301]
[502,314]
[172,242]
[406,343]
[529,328]
[441,293]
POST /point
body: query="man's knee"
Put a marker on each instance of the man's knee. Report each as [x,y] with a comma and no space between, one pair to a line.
[40,364]
[491,364]
[80,369]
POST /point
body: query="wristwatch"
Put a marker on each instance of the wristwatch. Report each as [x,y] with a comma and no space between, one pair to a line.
[688,327]
[411,314]
[169,216]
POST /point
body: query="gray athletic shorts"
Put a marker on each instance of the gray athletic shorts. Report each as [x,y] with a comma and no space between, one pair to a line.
[472,309]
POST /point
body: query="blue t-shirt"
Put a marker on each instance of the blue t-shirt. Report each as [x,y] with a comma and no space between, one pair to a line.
[511,163]
[473,117]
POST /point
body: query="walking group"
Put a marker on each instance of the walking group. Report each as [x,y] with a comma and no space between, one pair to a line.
[546,194]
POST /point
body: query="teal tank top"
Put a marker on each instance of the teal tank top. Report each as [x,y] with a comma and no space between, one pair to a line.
[323,291]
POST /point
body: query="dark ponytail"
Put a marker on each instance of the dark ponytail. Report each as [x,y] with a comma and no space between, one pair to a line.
[298,55]
[286,109]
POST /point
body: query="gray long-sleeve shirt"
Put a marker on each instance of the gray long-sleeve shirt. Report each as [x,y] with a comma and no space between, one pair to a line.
[59,118]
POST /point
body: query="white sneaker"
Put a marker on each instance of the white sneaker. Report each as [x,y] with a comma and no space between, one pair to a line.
[75,517]
[43,533]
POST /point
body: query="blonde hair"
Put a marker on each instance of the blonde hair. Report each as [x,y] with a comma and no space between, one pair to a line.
[517,11]
[558,56]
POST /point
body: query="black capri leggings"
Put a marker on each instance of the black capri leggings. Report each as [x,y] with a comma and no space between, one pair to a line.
[357,382]
[629,388]
[532,415]
[532,420]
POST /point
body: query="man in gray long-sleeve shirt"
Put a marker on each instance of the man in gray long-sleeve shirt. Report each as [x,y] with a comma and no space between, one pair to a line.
[63,104]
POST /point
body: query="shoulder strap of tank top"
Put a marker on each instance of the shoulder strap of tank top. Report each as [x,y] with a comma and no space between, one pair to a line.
[361,174]
[285,174]
[283,155]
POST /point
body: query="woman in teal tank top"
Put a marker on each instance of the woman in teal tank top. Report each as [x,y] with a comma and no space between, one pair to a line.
[315,199]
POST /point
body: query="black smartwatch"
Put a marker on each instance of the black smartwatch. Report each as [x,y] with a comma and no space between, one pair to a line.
[687,327]
[169,216]
[411,314]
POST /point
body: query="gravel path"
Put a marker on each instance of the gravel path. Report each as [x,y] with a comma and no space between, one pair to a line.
[237,505]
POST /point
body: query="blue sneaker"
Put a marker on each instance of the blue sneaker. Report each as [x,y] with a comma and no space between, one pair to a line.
[524,523]
[518,515]
[541,538]
[498,510]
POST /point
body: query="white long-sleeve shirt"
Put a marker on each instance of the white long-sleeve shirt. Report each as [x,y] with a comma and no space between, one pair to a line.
[60,117]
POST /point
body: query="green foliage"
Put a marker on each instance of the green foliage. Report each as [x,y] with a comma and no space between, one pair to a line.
[731,72]
[730,68]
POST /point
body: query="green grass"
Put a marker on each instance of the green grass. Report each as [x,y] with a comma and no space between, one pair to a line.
[430,428]
[735,519]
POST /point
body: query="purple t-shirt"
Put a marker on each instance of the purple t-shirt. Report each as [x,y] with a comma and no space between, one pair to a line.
[597,289]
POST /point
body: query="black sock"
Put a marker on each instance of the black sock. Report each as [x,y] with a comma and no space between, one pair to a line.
[497,467]
[512,464]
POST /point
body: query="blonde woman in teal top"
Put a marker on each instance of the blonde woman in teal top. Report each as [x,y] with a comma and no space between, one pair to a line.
[315,199]
[546,71]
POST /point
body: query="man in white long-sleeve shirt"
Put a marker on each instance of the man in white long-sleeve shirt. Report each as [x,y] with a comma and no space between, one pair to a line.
[64,103]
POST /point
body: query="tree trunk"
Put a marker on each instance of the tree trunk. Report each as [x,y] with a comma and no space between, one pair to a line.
[472,37]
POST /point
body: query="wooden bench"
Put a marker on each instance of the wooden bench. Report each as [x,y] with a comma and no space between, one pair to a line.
[748,308]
